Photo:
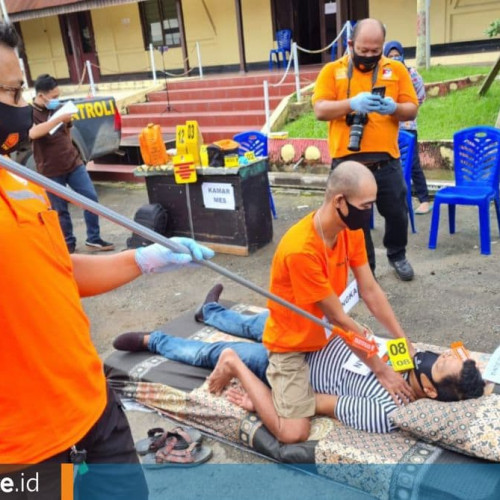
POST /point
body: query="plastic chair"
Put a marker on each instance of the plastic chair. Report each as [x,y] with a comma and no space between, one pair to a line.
[407,144]
[284,43]
[257,142]
[476,155]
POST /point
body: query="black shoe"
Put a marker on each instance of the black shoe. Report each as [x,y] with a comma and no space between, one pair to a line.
[131,341]
[71,247]
[212,296]
[403,269]
[100,245]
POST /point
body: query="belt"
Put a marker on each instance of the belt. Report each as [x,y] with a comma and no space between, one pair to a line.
[376,165]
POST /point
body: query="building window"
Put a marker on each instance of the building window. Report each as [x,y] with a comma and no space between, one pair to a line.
[160,23]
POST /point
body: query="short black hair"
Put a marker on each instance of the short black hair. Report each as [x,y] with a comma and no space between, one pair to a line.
[45,83]
[359,25]
[9,36]
[468,384]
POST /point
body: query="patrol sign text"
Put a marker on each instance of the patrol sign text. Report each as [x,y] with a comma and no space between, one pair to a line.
[218,195]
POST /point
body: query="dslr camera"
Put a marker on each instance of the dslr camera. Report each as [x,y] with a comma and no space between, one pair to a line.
[357,122]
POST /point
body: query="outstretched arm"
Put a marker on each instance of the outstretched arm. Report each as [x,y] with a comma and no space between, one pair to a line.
[96,274]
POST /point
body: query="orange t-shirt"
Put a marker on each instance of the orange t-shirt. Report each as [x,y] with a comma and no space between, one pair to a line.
[52,388]
[380,134]
[305,272]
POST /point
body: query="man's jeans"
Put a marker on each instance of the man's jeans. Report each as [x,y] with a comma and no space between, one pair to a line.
[206,354]
[78,180]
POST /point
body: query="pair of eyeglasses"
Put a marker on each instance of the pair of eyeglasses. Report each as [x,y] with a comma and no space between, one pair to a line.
[17,92]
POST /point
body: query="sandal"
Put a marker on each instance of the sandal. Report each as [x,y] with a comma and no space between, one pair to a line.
[157,438]
[169,456]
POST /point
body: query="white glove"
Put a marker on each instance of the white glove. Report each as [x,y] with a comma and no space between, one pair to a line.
[157,258]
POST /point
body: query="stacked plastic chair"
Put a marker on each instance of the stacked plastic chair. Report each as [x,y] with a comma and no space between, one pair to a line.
[257,142]
[476,155]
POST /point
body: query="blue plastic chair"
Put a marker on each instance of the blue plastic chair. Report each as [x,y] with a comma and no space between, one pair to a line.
[407,144]
[257,142]
[284,45]
[476,155]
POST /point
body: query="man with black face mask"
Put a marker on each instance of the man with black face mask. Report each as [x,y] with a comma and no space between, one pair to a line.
[310,269]
[363,126]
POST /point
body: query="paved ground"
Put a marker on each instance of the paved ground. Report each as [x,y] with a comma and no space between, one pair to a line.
[454,295]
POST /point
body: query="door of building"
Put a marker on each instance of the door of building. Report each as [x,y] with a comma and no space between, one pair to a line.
[79,44]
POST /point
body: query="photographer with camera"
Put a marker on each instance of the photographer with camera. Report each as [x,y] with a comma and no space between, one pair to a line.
[364,96]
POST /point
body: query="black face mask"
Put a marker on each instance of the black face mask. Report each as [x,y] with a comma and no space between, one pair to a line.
[15,123]
[365,63]
[423,365]
[356,218]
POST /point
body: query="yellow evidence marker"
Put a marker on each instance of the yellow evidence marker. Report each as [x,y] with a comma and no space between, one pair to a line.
[399,355]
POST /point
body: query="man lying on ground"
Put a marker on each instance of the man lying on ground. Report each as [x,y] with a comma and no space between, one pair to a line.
[356,400]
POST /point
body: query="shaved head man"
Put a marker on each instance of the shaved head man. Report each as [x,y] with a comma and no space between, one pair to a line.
[310,269]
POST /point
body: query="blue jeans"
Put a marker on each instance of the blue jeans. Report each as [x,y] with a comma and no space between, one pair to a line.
[78,180]
[206,354]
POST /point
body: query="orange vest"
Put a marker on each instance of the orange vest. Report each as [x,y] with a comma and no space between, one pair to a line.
[52,388]
[304,272]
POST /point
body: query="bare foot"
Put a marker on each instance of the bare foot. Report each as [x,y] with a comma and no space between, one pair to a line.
[222,374]
[240,399]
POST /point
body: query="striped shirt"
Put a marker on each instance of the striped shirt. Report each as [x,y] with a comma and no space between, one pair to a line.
[363,403]
[418,85]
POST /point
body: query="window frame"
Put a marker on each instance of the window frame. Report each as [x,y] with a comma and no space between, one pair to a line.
[166,33]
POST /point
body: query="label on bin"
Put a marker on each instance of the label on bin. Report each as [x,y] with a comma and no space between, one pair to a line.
[218,195]
[250,156]
[184,169]
[231,161]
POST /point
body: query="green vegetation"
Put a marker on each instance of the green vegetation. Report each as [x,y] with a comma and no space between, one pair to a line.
[438,117]
[442,73]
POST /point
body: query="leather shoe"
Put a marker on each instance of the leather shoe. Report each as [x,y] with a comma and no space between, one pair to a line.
[403,269]
[131,341]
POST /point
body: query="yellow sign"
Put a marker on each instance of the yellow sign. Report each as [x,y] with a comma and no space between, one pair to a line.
[250,156]
[399,355]
[180,139]
[184,169]
[231,161]
[193,140]
[204,155]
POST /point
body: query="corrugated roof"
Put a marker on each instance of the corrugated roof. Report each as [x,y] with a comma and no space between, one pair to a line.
[21,10]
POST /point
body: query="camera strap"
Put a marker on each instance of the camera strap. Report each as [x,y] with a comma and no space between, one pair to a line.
[350,70]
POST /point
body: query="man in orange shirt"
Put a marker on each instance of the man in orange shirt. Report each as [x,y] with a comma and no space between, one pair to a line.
[363,126]
[310,269]
[56,406]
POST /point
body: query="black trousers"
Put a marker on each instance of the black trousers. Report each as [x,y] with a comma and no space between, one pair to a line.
[114,470]
[392,205]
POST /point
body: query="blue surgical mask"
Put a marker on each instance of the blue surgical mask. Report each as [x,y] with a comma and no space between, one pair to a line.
[398,58]
[53,104]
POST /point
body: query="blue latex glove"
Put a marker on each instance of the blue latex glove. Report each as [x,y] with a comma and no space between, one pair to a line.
[365,102]
[388,106]
[157,258]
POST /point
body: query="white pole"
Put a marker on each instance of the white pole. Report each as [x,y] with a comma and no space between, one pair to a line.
[152,58]
[296,69]
[91,78]
[198,55]
[348,31]
[266,106]
[427,35]
[5,14]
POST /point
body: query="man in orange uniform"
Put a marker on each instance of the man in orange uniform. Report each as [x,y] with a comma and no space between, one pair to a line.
[55,404]
[310,269]
[363,126]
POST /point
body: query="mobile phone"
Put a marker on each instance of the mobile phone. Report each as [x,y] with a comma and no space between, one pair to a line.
[379,91]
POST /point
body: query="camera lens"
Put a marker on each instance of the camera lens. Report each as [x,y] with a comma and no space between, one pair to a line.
[355,135]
